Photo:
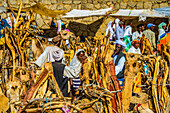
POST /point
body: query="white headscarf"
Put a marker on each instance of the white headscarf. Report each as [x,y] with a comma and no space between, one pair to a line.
[117,21]
[58,54]
[120,42]
[54,54]
[74,68]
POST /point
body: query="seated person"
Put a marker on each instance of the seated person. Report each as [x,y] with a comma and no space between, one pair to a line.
[135,47]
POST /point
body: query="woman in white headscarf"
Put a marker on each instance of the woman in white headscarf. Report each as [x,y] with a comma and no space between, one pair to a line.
[74,68]
[162,27]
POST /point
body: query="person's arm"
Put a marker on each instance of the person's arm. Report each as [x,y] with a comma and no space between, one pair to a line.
[41,59]
[133,36]
[72,73]
[130,31]
[107,31]
[120,65]
[153,40]
[117,33]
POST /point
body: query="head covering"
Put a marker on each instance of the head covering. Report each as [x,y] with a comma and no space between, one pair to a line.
[110,22]
[150,25]
[74,68]
[120,42]
[75,61]
[161,24]
[135,41]
[117,21]
[58,54]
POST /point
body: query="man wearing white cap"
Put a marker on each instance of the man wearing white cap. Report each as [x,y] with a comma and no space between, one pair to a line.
[119,60]
[150,35]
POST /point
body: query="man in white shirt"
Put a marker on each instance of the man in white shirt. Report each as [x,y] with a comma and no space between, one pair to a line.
[111,28]
[135,47]
[119,60]
[128,30]
[137,34]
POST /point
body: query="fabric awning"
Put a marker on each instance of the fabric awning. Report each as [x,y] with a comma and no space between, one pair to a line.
[164,10]
[138,12]
[75,13]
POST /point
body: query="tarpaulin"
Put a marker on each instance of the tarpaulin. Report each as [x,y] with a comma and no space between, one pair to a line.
[138,12]
[85,13]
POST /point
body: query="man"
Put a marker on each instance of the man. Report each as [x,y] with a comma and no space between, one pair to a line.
[137,34]
[150,35]
[135,47]
[128,36]
[58,69]
[111,28]
[47,54]
[128,30]
[119,60]
[120,31]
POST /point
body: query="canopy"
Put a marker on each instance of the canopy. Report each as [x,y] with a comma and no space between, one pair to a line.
[164,10]
[42,10]
[85,13]
[138,12]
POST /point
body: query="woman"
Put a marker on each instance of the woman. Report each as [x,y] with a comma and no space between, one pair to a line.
[162,27]
[74,68]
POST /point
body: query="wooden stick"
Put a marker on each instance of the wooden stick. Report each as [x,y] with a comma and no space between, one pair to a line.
[19,11]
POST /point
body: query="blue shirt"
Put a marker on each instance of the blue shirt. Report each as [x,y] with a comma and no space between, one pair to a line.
[4,26]
[119,32]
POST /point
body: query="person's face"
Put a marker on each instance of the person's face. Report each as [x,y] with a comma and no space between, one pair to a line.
[137,45]
[163,27]
[142,28]
[130,24]
[118,48]
[152,28]
[81,57]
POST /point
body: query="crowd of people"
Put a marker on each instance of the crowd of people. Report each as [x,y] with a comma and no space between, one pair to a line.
[124,39]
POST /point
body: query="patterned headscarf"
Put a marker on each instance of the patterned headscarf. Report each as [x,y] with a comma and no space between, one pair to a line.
[162,24]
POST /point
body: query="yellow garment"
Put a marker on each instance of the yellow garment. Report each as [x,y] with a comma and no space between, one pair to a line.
[2,40]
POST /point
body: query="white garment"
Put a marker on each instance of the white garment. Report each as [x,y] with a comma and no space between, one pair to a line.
[50,54]
[128,31]
[161,31]
[109,28]
[134,50]
[74,68]
[120,64]
[136,35]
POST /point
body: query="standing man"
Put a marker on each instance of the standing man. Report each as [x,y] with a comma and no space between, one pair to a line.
[120,31]
[119,60]
[137,34]
[150,35]
[128,36]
